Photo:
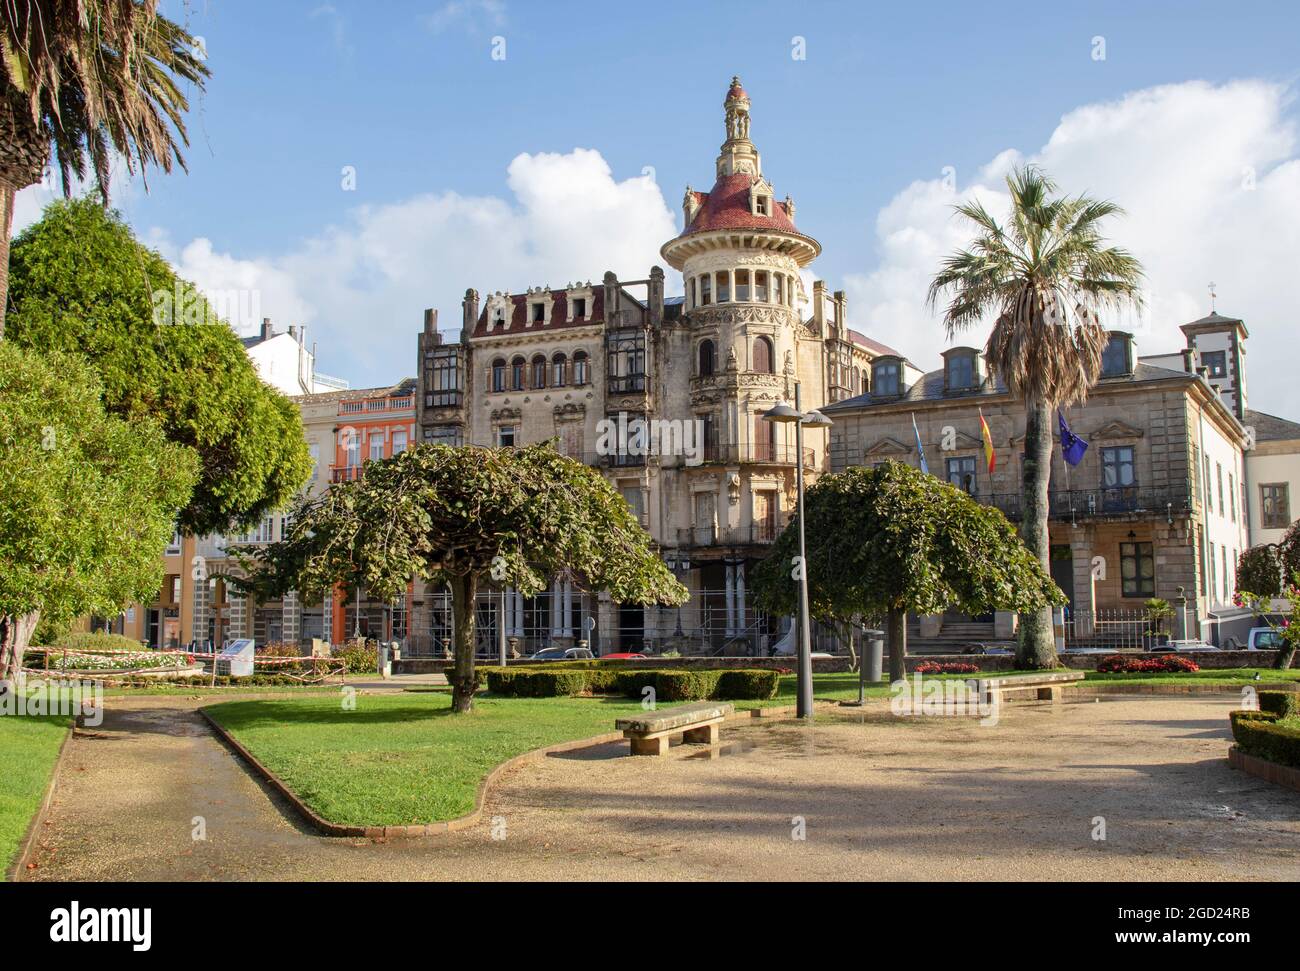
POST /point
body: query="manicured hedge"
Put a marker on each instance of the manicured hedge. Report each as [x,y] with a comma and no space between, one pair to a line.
[695,685]
[1248,714]
[1267,738]
[1283,704]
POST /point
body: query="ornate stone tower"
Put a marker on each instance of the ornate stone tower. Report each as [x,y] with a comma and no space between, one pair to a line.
[740,254]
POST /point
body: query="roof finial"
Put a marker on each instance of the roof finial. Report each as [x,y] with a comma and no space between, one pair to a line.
[1213,297]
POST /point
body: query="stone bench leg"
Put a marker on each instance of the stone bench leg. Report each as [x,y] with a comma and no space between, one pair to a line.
[707,735]
[1049,692]
[650,746]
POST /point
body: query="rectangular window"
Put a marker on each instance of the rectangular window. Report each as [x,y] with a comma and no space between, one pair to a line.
[1213,578]
[539,313]
[1216,362]
[1275,505]
[706,290]
[506,436]
[376,446]
[765,521]
[724,286]
[315,460]
[742,285]
[1224,550]
[961,473]
[399,441]
[1137,563]
[1209,487]
[780,288]
[174,547]
[1114,359]
[1232,497]
[961,372]
[1218,468]
[634,498]
[760,286]
[579,308]
[443,435]
[443,383]
[1117,467]
[626,362]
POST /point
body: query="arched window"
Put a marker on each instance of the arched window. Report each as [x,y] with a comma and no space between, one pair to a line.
[538,376]
[499,374]
[558,378]
[706,358]
[581,372]
[517,374]
[763,355]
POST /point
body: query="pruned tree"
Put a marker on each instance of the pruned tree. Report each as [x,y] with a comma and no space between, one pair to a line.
[889,541]
[464,516]
[1259,571]
[87,500]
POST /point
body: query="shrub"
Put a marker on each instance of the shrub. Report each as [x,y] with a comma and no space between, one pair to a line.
[536,684]
[1167,664]
[747,684]
[99,641]
[1283,704]
[360,657]
[1234,716]
[1268,738]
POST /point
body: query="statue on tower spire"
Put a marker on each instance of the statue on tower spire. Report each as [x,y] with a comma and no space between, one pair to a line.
[738,152]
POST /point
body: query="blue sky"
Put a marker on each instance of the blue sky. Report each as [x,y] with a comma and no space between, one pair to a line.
[887,97]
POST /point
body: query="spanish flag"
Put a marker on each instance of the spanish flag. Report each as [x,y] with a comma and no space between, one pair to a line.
[990,456]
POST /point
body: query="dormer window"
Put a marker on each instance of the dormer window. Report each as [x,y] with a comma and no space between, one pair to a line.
[1116,359]
[539,313]
[960,371]
[886,378]
[763,205]
[500,322]
[579,308]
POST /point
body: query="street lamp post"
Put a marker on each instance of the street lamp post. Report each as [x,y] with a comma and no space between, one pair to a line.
[814,419]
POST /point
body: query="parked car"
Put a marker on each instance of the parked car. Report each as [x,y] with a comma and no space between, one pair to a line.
[622,656]
[563,654]
[1263,639]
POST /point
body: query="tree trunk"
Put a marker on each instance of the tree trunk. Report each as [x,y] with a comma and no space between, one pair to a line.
[1037,647]
[896,628]
[1285,654]
[7,215]
[15,636]
[464,682]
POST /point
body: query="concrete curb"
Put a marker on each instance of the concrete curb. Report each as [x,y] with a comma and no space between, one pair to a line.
[1122,688]
[327,828]
[19,865]
[1280,775]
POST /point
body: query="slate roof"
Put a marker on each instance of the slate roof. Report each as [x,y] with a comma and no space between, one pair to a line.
[1270,428]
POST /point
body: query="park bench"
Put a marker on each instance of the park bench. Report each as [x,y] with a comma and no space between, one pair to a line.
[1046,686]
[651,732]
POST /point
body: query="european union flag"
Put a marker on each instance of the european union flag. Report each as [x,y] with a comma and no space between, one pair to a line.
[1072,446]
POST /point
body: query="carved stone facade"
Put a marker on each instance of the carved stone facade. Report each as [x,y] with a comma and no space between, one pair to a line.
[576,363]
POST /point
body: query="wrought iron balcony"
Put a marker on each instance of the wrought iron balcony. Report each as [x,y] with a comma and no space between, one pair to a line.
[1075,504]
[755,534]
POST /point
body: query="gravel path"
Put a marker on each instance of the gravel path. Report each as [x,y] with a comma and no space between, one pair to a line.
[935,798]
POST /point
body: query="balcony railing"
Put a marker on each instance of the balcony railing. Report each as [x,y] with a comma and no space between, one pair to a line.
[755,534]
[625,383]
[375,405]
[345,473]
[1076,504]
[763,453]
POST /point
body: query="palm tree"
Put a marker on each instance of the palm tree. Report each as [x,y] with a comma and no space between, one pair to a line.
[84,79]
[1045,277]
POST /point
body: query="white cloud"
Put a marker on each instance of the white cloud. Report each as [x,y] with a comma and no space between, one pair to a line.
[1210,179]
[473,15]
[361,286]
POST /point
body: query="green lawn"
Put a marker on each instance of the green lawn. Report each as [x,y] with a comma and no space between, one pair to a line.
[28,748]
[1224,676]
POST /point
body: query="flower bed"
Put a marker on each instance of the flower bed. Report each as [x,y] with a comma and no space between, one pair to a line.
[1165,664]
[946,667]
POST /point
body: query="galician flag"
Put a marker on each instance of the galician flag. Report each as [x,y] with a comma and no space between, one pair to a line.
[920,449]
[990,456]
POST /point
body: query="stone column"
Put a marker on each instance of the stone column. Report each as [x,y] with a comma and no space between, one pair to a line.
[567,626]
[740,598]
[327,618]
[1085,600]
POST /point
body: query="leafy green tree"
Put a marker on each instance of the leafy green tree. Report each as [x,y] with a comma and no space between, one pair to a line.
[81,283]
[889,541]
[463,517]
[1259,571]
[87,80]
[1045,277]
[87,500]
